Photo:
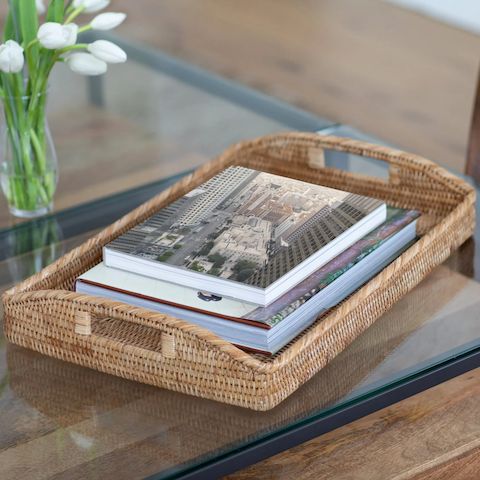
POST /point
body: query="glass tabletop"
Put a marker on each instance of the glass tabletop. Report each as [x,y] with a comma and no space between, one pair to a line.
[62,421]
[146,119]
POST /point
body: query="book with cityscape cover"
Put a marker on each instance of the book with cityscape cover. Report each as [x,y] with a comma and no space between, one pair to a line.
[246,234]
[322,290]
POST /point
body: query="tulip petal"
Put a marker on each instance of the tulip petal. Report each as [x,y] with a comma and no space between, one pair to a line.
[11,57]
[108,20]
[86,64]
[53,35]
[107,51]
[40,6]
[91,6]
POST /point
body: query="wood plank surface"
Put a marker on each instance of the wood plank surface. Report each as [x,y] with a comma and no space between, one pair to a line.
[463,467]
[388,71]
[432,435]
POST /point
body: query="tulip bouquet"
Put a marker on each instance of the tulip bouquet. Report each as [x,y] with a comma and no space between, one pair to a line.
[36,36]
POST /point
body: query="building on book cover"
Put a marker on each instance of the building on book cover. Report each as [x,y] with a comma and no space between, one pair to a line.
[244,225]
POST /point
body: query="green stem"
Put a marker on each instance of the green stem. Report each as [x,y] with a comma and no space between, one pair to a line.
[32,43]
[85,28]
[75,13]
[39,152]
[31,185]
[78,46]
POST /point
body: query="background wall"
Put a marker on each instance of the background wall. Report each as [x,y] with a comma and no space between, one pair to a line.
[463,14]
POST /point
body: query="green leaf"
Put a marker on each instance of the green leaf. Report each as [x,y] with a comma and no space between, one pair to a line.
[28,20]
[27,12]
[55,11]
[9,29]
[12,24]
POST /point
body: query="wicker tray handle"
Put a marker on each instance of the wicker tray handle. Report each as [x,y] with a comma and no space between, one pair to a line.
[306,149]
[413,181]
[160,343]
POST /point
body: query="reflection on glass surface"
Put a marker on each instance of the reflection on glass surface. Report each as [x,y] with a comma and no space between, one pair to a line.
[29,249]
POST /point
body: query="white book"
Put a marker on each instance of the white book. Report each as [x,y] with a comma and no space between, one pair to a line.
[253,326]
[246,234]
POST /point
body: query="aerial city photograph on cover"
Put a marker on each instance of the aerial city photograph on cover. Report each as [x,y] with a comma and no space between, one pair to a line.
[245,225]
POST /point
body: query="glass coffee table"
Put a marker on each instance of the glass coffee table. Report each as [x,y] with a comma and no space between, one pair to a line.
[63,421]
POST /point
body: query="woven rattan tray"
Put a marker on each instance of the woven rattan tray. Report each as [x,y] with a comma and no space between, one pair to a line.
[44,314]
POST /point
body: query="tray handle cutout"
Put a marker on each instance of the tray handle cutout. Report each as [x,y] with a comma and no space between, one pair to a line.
[126,332]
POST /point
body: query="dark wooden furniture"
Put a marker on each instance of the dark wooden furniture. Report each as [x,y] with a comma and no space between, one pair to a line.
[473,150]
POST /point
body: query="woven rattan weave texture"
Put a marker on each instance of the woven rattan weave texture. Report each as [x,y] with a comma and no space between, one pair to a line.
[43,313]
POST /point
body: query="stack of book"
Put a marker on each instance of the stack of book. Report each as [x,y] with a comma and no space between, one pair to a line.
[254,257]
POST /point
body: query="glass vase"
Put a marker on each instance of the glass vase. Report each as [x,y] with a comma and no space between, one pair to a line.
[29,167]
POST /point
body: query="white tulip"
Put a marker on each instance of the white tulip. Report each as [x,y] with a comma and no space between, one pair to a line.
[71,32]
[107,51]
[86,64]
[107,21]
[91,6]
[40,5]
[54,35]
[11,57]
